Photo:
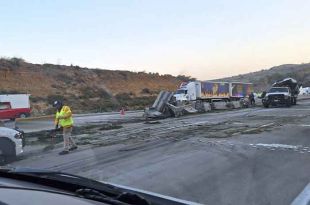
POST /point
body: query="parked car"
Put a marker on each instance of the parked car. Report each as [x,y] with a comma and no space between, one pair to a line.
[12,142]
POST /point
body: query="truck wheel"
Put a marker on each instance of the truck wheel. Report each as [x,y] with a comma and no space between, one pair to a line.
[23,115]
[288,103]
[2,160]
[7,148]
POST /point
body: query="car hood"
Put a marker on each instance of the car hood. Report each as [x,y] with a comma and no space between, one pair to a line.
[49,178]
[155,197]
[4,131]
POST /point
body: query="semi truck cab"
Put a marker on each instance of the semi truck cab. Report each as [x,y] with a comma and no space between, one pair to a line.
[188,91]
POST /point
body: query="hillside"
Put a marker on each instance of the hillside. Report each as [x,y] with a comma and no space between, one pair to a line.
[90,90]
[264,78]
[97,90]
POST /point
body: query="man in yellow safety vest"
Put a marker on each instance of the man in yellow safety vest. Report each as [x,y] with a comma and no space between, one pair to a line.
[64,119]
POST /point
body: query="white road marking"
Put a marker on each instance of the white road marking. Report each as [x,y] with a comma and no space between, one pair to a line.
[303,198]
[303,125]
[278,146]
[267,125]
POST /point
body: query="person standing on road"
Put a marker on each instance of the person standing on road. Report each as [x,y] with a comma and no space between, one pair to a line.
[64,119]
[251,98]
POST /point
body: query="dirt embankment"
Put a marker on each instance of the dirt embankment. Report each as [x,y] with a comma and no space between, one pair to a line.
[86,90]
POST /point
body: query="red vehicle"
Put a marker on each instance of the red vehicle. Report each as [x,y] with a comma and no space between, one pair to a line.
[14,106]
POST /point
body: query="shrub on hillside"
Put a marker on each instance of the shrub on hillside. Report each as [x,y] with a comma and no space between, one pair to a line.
[185,78]
[145,91]
[16,61]
[122,96]
[36,99]
[90,92]
[52,98]
[5,92]
[64,78]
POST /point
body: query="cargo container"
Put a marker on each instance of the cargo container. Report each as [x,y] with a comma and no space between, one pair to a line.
[208,90]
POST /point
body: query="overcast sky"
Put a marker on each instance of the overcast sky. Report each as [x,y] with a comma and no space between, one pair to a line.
[201,38]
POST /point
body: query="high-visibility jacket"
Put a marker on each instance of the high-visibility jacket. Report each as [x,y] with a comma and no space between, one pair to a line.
[64,112]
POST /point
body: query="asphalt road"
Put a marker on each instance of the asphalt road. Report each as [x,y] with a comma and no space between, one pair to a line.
[79,120]
[250,156]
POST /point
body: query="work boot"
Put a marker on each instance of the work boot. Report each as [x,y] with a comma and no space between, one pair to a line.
[64,152]
[73,148]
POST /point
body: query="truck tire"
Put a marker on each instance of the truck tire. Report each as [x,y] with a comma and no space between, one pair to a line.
[2,160]
[23,115]
[8,152]
[266,105]
[288,103]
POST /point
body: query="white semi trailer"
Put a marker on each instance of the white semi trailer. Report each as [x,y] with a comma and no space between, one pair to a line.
[209,90]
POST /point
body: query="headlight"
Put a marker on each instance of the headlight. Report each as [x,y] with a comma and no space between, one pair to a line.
[19,136]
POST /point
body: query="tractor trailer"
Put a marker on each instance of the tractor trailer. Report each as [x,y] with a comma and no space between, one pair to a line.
[208,90]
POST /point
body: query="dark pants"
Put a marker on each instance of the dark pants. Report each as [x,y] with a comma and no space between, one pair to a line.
[252,101]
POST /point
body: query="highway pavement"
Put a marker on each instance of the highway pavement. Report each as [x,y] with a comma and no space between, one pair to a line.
[247,156]
[40,124]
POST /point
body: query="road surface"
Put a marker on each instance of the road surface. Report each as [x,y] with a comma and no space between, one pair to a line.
[79,120]
[248,156]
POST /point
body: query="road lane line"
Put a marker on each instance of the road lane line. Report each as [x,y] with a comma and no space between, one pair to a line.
[304,125]
[278,146]
[303,198]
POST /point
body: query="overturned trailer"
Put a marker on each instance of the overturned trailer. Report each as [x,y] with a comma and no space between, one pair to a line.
[159,108]
[165,106]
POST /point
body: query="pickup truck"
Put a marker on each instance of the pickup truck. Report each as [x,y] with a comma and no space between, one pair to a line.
[7,112]
[277,96]
[282,92]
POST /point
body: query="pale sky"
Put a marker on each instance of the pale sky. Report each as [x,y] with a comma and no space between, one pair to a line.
[202,38]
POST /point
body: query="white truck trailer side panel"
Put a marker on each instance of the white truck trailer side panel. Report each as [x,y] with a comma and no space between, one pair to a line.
[16,100]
